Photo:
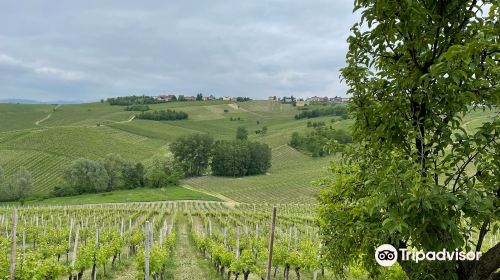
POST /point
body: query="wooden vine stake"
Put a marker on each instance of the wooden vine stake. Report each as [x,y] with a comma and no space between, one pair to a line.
[75,248]
[14,243]
[146,251]
[271,243]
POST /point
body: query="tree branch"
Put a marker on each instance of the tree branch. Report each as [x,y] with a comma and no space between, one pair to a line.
[482,233]
[489,262]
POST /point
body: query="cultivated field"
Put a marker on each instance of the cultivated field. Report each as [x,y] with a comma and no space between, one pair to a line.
[208,228]
[46,138]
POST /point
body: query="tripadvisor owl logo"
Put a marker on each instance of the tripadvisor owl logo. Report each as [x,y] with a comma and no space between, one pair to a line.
[386,255]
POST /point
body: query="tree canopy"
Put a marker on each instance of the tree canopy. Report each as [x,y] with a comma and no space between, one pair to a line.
[240,158]
[414,177]
[193,153]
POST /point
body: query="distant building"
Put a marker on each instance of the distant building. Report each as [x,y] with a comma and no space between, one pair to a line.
[301,103]
[314,99]
[271,98]
[190,98]
[337,100]
[226,98]
[166,98]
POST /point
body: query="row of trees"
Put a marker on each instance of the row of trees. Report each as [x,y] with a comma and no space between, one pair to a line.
[138,107]
[335,110]
[17,187]
[316,142]
[133,100]
[238,158]
[114,173]
[195,153]
[163,115]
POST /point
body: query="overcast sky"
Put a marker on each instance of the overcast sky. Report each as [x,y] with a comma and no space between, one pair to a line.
[87,50]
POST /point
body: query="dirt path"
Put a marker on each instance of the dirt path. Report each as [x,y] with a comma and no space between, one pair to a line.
[37,123]
[127,121]
[227,201]
[129,273]
[187,264]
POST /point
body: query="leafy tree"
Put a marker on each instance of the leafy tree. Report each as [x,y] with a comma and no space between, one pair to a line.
[21,185]
[133,175]
[138,107]
[114,165]
[260,158]
[415,178]
[241,133]
[87,176]
[316,141]
[163,172]
[240,158]
[230,158]
[199,97]
[264,130]
[296,140]
[193,153]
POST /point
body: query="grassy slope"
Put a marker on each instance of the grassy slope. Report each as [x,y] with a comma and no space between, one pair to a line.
[71,132]
[21,116]
[135,195]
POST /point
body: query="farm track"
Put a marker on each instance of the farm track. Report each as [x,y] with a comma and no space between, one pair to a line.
[37,123]
[187,264]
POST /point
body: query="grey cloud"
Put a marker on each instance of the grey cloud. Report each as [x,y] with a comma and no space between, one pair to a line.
[92,49]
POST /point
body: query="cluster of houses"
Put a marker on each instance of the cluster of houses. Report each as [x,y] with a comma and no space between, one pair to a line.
[300,102]
[171,97]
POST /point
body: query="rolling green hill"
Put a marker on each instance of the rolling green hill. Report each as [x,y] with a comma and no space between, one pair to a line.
[46,138]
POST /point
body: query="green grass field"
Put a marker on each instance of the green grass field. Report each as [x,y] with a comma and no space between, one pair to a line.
[46,138]
[124,196]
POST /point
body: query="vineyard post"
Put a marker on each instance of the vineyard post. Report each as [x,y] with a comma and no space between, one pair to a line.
[24,244]
[271,243]
[237,243]
[75,249]
[94,266]
[14,243]
[225,237]
[146,252]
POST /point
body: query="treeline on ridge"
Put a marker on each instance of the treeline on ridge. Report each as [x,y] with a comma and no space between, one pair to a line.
[316,141]
[133,100]
[335,110]
[163,115]
[137,107]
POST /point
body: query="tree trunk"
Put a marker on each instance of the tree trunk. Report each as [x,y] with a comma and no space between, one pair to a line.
[297,272]
[92,276]
[285,271]
[236,275]
[246,274]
